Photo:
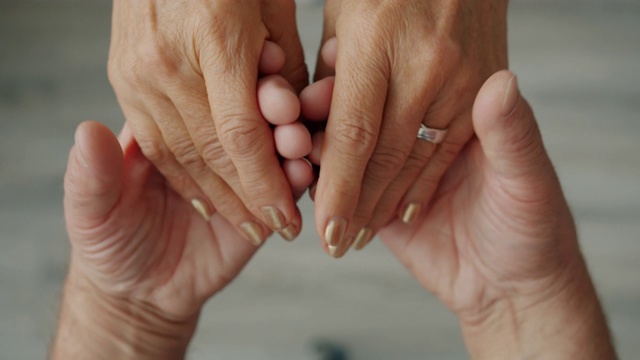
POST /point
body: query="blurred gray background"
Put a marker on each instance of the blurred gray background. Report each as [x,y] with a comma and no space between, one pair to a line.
[578,63]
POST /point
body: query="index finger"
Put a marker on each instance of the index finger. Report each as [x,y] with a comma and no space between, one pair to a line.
[357,108]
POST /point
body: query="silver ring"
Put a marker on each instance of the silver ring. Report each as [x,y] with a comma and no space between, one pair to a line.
[431,135]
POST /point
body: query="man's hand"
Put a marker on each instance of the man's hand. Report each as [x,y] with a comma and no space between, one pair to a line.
[498,244]
[185,74]
[143,260]
[399,64]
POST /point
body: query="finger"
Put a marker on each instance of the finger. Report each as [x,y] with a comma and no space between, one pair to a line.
[93,181]
[223,198]
[272,58]
[315,99]
[509,135]
[404,110]
[316,148]
[154,148]
[278,101]
[299,172]
[351,135]
[280,20]
[326,59]
[246,137]
[419,194]
[386,208]
[293,141]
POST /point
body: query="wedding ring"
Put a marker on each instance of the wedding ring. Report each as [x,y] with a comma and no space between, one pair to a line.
[431,135]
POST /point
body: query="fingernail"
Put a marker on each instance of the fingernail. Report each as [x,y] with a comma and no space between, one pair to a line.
[341,250]
[290,232]
[411,212]
[201,208]
[308,162]
[511,96]
[312,191]
[363,238]
[334,232]
[252,232]
[333,250]
[274,218]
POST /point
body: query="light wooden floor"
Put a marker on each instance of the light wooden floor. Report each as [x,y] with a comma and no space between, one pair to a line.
[578,65]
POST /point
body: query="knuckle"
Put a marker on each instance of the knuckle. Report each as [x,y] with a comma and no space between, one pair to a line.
[385,163]
[240,137]
[217,159]
[355,137]
[186,153]
[153,58]
[155,150]
[416,162]
[179,180]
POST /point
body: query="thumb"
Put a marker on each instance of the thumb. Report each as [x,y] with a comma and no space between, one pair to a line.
[93,180]
[508,131]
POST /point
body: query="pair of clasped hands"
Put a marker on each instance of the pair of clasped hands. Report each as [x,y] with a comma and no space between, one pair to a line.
[480,220]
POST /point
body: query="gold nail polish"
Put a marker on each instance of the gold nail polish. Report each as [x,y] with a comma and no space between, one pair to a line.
[333,250]
[274,218]
[290,232]
[411,212]
[334,232]
[201,208]
[363,238]
[252,232]
[344,246]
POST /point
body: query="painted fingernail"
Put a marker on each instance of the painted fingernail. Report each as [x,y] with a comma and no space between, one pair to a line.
[363,238]
[252,232]
[333,250]
[334,232]
[341,250]
[201,208]
[411,212]
[274,218]
[290,232]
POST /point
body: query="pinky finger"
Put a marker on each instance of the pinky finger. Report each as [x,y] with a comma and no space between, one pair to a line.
[299,172]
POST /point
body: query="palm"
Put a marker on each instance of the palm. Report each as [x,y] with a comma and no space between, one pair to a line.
[162,252]
[480,234]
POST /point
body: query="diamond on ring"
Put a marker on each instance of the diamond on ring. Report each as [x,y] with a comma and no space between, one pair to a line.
[431,135]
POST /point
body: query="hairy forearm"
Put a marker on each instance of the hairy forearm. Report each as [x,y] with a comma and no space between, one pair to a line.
[92,326]
[567,324]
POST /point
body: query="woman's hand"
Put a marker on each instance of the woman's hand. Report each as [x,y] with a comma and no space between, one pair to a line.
[399,64]
[185,74]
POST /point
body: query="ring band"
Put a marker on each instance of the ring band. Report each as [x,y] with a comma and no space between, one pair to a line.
[431,135]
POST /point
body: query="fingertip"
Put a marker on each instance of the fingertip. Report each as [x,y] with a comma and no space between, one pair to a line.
[95,146]
[316,148]
[272,58]
[93,180]
[329,52]
[277,100]
[292,141]
[495,101]
[315,99]
[299,172]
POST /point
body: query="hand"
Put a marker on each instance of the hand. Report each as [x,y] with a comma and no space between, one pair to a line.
[399,64]
[498,244]
[185,74]
[143,261]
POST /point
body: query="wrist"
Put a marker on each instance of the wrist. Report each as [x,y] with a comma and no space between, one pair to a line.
[565,321]
[100,326]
